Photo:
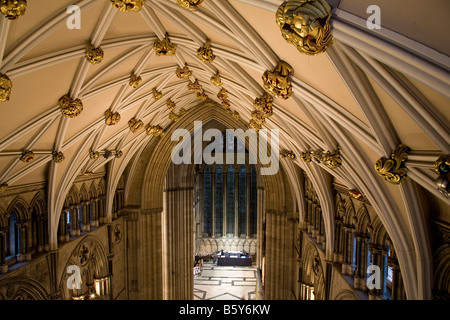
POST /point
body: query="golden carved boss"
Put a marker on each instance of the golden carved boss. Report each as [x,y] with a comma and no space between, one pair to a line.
[70,107]
[277,82]
[393,170]
[111,118]
[223,94]
[264,105]
[191,5]
[183,73]
[94,55]
[128,5]
[175,117]
[135,81]
[93,155]
[135,125]
[13,9]
[306,157]
[5,87]
[202,95]
[288,154]
[306,24]
[164,47]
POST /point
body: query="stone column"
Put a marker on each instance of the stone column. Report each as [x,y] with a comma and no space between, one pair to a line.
[84,217]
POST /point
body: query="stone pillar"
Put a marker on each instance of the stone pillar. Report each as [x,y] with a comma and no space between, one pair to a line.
[248,190]
[225,201]
[75,221]
[178,253]
[213,203]
[361,262]
[95,209]
[377,252]
[236,203]
[3,265]
[398,290]
[62,227]
[85,217]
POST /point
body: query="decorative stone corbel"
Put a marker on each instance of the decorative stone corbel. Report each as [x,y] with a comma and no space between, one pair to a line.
[393,170]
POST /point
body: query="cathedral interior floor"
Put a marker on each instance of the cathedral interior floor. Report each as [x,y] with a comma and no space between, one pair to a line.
[225,283]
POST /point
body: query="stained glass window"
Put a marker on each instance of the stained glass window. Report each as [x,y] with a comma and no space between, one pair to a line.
[242,200]
[219,201]
[230,200]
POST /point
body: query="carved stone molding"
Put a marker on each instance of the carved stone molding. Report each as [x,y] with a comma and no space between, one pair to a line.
[393,170]
[306,25]
[332,159]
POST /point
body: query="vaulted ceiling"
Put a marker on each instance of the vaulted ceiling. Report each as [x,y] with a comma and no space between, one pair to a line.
[369,92]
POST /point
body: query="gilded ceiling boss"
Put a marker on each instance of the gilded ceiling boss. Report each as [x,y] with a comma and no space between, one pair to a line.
[306,24]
